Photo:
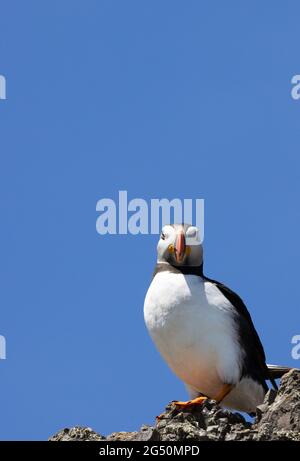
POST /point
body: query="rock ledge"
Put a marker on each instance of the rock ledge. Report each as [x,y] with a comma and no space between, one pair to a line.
[278,418]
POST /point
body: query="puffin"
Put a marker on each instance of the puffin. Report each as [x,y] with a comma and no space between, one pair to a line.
[203,329]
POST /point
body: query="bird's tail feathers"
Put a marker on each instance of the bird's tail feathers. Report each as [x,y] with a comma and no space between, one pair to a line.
[277,371]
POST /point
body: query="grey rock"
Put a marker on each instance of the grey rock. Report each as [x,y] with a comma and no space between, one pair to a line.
[122,436]
[77,434]
[147,433]
[278,418]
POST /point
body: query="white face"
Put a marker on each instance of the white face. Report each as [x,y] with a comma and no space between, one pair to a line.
[180,245]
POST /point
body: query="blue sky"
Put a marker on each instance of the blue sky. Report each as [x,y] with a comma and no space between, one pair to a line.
[162,99]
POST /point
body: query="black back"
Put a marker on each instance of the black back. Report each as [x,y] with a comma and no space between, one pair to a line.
[254,364]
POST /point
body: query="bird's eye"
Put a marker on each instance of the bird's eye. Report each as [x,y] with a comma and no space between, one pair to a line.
[192,232]
[162,236]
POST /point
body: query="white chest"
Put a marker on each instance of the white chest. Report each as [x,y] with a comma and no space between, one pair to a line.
[192,325]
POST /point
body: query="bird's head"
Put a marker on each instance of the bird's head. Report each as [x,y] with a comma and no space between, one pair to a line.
[179,245]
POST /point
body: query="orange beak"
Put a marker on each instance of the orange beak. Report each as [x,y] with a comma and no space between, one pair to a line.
[180,247]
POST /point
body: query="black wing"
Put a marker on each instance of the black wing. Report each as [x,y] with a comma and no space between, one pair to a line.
[255,359]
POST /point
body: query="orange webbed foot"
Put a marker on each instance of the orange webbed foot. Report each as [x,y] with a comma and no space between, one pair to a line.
[189,403]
